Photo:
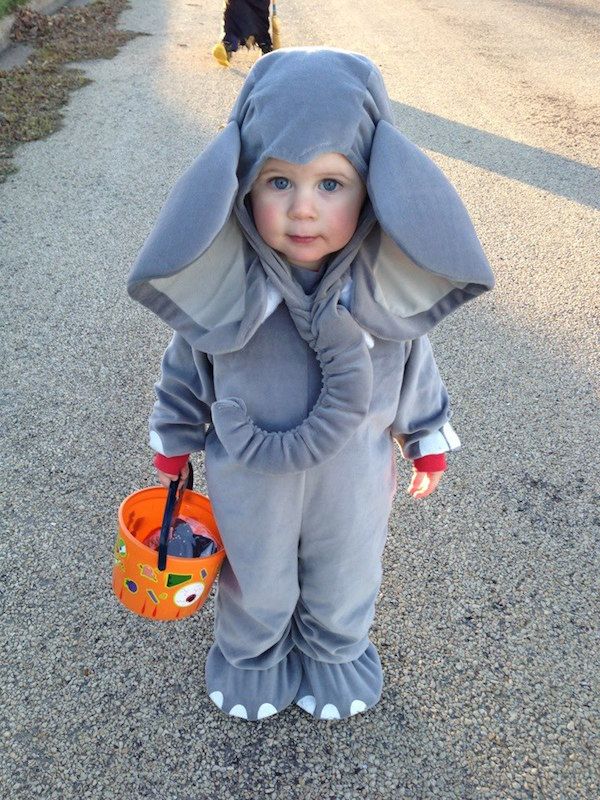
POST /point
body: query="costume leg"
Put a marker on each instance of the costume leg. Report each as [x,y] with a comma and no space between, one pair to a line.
[252,670]
[347,504]
[335,691]
[252,693]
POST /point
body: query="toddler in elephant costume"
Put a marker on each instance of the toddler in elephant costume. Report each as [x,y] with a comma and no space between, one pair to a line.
[301,261]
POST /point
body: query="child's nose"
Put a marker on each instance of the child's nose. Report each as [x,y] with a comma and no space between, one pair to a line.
[302,206]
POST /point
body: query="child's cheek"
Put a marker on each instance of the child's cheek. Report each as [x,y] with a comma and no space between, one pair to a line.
[342,224]
[266,220]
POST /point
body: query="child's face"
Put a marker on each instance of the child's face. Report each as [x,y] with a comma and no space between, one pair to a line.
[307,211]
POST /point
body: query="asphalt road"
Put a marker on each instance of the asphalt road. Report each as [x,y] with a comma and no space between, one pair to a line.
[487,619]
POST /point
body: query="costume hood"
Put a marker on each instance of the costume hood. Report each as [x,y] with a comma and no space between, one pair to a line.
[413,259]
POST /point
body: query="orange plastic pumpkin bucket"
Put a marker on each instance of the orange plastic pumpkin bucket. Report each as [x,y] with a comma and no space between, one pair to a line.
[183,586]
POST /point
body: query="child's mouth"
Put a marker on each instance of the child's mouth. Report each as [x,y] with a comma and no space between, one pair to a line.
[303,239]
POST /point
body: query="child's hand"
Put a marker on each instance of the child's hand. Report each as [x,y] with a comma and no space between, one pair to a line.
[165,479]
[422,484]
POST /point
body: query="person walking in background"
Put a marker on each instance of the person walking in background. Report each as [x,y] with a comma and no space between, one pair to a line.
[245,23]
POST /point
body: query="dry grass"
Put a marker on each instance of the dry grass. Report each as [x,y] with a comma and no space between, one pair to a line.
[31,97]
[8,6]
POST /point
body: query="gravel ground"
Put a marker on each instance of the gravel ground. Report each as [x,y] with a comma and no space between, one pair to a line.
[487,619]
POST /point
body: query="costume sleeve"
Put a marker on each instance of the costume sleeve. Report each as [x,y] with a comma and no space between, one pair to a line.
[421,425]
[183,398]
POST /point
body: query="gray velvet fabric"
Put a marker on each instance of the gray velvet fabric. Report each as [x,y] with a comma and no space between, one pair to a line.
[302,379]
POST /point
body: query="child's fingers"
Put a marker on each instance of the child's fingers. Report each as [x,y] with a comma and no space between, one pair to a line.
[423,484]
[429,485]
[416,482]
[164,478]
[183,478]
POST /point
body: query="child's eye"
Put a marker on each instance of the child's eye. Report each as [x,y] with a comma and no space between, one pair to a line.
[280,183]
[330,184]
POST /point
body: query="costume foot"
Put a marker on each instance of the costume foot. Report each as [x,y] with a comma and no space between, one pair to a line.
[221,54]
[337,691]
[252,694]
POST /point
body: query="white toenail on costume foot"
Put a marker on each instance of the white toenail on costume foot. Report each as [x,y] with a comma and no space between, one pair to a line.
[239,711]
[330,711]
[357,706]
[217,698]
[266,710]
[307,703]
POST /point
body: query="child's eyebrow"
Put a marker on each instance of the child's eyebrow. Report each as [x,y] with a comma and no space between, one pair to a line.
[334,174]
[271,171]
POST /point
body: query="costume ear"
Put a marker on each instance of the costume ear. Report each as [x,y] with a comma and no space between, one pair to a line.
[426,258]
[192,268]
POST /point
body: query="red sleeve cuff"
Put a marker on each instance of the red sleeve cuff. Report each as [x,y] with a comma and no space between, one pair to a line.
[436,462]
[172,465]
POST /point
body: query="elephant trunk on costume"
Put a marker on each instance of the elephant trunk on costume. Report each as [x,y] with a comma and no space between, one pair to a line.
[341,407]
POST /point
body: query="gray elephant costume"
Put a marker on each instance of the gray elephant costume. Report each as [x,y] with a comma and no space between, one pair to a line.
[294,382]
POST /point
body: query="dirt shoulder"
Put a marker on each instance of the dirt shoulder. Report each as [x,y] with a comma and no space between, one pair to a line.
[32,95]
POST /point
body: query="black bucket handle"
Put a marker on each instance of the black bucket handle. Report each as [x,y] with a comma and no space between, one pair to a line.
[172,507]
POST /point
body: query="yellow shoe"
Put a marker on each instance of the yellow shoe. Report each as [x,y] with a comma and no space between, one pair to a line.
[221,54]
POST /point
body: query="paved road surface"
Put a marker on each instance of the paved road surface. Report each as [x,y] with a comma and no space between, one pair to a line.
[486,620]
